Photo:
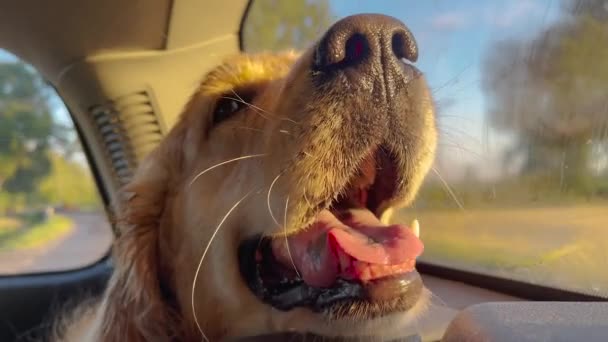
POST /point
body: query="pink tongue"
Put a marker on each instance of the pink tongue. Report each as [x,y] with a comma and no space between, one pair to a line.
[358,246]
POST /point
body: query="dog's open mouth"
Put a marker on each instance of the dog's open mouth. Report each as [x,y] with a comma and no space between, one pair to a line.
[346,258]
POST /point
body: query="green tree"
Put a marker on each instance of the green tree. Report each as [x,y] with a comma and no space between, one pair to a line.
[68,184]
[274,25]
[26,128]
[551,91]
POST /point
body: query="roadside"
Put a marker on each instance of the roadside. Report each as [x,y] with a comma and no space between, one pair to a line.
[563,247]
[29,233]
[88,240]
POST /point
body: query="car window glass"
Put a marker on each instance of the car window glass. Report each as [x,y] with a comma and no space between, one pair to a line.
[51,214]
[519,188]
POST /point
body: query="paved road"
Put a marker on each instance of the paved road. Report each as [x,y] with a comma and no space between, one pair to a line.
[88,241]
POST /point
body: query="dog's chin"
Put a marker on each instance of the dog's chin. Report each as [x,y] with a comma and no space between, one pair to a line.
[346,273]
[395,325]
[303,324]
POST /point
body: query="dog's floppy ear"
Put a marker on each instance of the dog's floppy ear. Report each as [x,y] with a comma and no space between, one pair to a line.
[134,307]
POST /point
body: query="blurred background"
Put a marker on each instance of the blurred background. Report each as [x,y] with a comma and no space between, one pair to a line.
[519,188]
[51,215]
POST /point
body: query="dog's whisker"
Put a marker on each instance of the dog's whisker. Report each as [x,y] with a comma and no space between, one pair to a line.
[461,148]
[448,188]
[282,131]
[247,104]
[248,129]
[268,199]
[453,80]
[261,109]
[459,134]
[286,239]
[224,163]
[307,201]
[439,299]
[198,268]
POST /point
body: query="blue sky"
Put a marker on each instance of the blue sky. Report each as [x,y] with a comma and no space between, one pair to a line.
[453,37]
[59,109]
[6,57]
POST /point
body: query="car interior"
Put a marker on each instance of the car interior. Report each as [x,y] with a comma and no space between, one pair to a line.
[125,69]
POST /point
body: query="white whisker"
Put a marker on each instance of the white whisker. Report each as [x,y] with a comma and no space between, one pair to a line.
[307,201]
[260,109]
[249,129]
[224,163]
[282,131]
[448,189]
[239,99]
[198,268]
[287,240]
[441,301]
[268,200]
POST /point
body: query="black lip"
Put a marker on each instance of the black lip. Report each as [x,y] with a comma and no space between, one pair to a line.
[309,337]
[286,293]
[282,288]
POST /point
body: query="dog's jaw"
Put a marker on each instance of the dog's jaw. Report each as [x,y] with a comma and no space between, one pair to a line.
[267,322]
[302,136]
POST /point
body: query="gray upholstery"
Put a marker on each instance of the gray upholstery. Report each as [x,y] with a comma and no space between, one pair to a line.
[530,321]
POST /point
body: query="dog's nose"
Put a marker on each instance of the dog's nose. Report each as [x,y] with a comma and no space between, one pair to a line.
[366,40]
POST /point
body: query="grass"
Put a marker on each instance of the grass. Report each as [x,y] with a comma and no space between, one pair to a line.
[35,235]
[562,246]
[8,225]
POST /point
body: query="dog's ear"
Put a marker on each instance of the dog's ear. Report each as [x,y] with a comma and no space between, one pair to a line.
[135,307]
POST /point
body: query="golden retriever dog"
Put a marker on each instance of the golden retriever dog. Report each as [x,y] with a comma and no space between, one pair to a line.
[266,208]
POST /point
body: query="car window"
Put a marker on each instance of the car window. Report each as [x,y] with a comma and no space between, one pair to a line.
[51,215]
[519,188]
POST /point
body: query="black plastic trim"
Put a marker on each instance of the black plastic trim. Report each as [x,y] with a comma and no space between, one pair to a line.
[105,197]
[511,287]
[102,190]
[242,24]
[28,300]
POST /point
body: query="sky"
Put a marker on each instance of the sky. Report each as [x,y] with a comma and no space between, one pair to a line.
[453,38]
[6,57]
[59,109]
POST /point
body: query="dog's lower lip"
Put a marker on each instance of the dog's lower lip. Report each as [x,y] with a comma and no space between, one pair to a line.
[347,260]
[288,292]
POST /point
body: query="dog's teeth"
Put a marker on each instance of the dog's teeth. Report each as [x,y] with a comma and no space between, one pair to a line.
[416,228]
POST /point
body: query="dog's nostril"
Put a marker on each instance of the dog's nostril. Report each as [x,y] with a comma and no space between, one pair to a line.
[357,47]
[404,45]
[335,53]
[365,40]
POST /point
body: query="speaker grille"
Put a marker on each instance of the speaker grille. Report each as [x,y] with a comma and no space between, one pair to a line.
[128,129]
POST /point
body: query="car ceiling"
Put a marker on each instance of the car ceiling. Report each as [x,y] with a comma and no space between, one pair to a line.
[51,35]
[98,53]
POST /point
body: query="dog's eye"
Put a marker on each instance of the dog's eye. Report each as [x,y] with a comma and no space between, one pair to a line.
[226,107]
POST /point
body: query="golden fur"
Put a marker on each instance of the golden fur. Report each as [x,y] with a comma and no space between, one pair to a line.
[300,143]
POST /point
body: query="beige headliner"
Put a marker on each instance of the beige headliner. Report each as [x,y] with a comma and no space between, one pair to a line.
[53,34]
[95,51]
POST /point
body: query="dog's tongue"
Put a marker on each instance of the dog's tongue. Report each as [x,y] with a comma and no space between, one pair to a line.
[355,246]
